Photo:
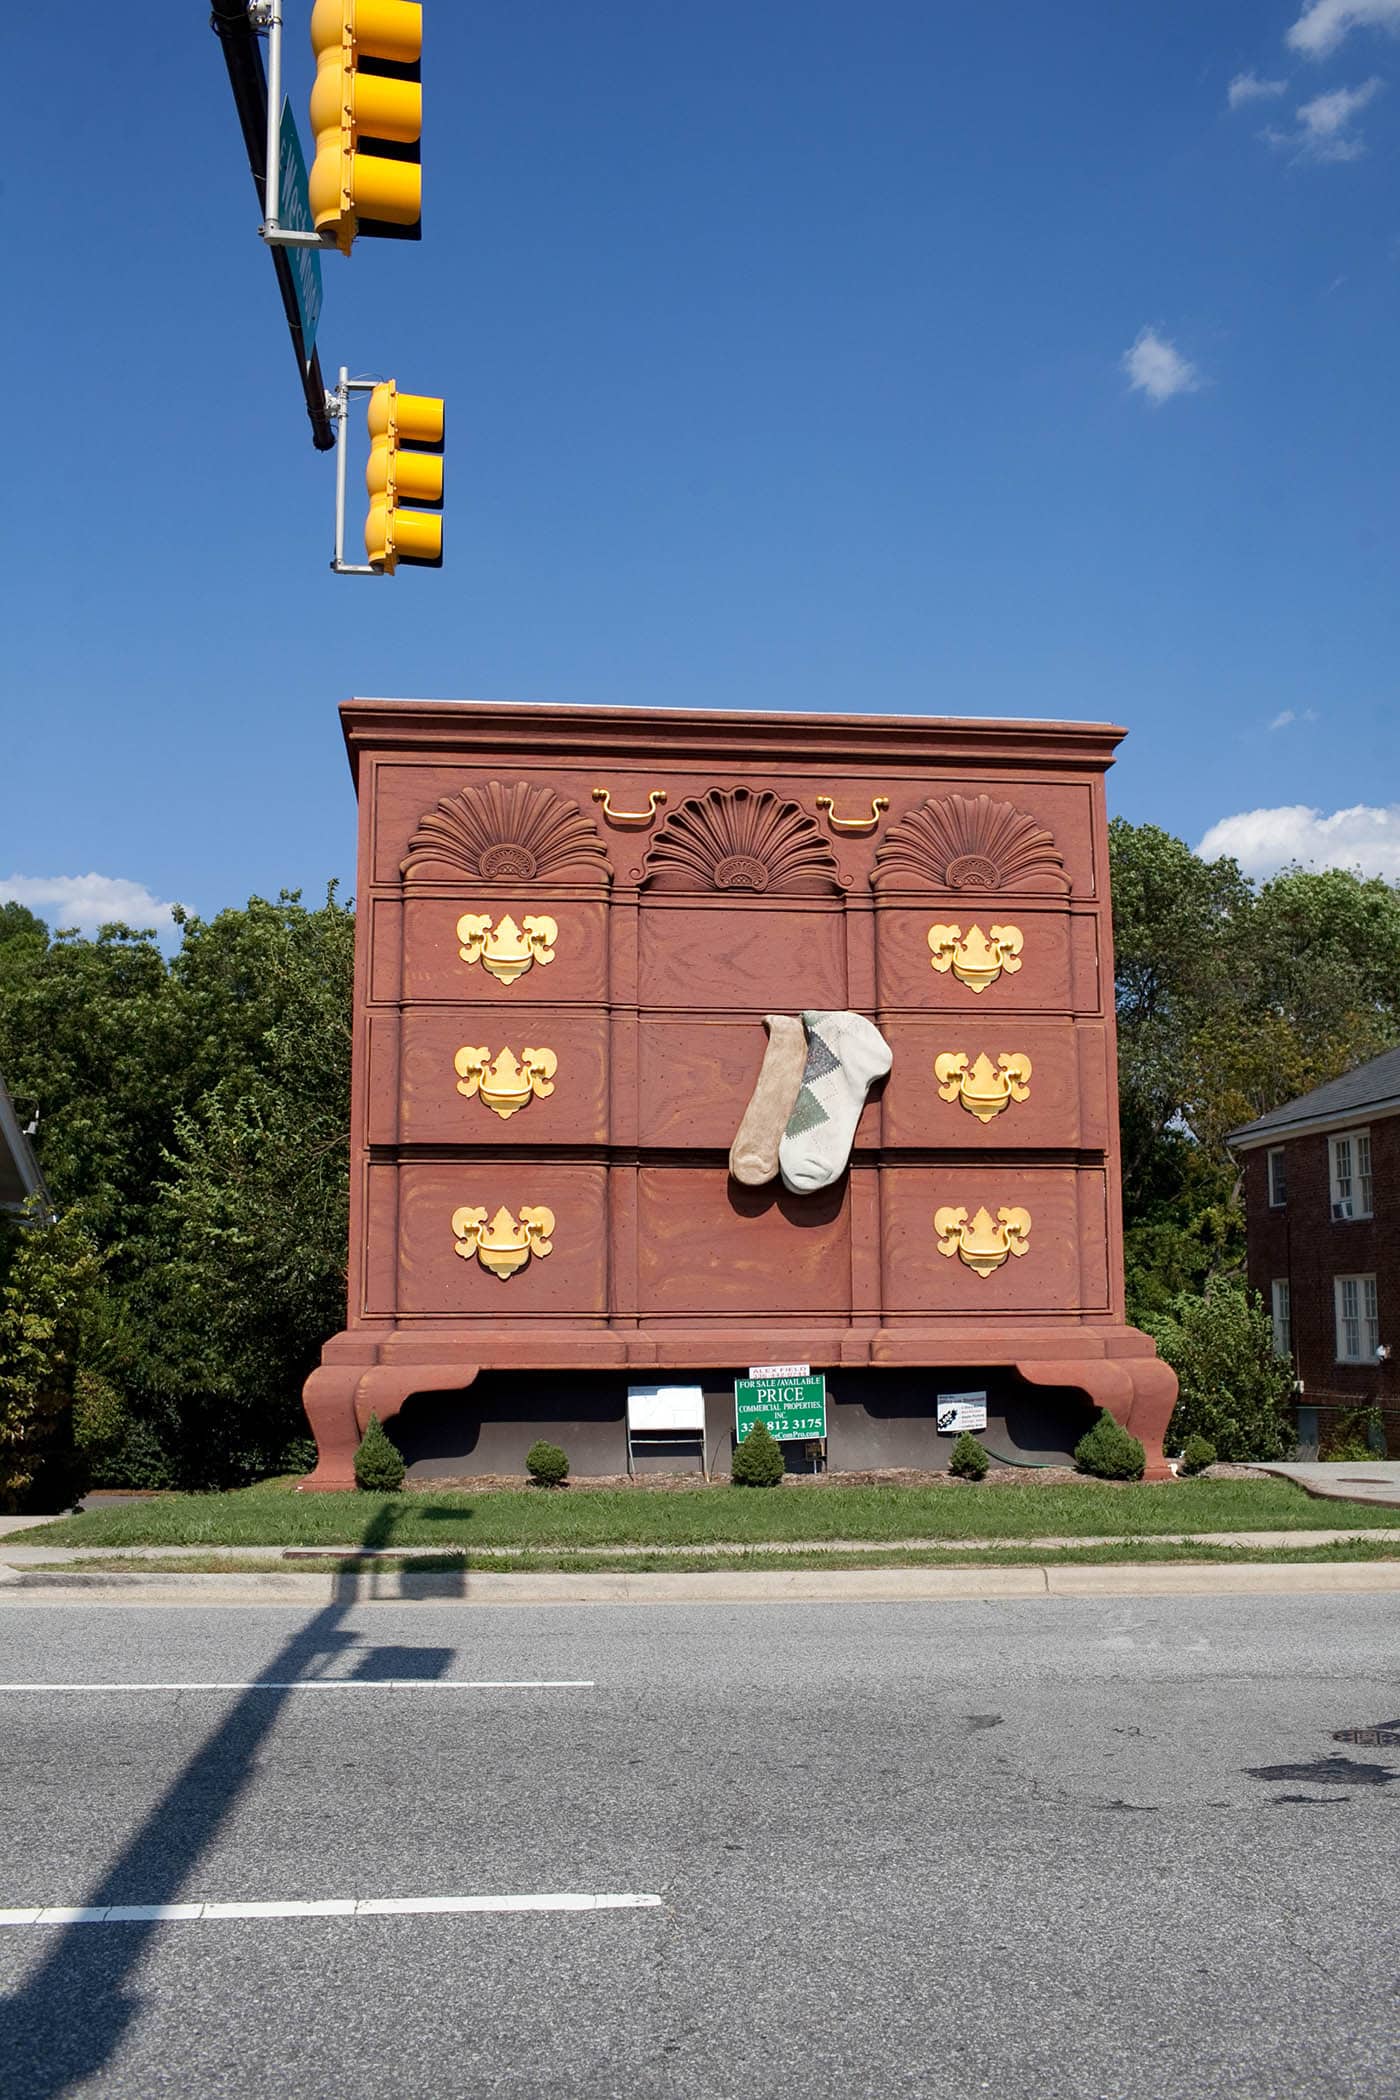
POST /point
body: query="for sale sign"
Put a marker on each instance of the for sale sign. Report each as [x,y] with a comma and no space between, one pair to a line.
[785,1396]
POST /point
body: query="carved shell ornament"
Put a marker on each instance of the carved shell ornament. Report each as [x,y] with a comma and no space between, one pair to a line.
[506,834]
[738,839]
[972,843]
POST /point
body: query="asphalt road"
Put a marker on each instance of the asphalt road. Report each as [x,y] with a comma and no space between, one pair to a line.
[1105,1850]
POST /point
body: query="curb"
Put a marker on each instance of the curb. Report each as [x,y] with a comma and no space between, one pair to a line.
[757,1586]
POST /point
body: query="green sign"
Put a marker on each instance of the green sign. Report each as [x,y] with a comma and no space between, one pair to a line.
[785,1396]
[294,211]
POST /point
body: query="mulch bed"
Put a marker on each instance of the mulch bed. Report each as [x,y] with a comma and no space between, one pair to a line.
[897,1476]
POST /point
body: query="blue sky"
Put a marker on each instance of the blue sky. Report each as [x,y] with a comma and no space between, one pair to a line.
[898,357]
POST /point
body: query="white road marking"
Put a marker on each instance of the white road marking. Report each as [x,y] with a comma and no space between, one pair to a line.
[333,1907]
[336,1684]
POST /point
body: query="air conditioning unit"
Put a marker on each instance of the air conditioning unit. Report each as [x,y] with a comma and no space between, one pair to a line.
[1342,1207]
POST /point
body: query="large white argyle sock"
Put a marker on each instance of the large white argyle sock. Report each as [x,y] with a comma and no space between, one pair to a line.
[846,1054]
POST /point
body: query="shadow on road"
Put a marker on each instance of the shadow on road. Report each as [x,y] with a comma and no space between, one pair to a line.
[67,2019]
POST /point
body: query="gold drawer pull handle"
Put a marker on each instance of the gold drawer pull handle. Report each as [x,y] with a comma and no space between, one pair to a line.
[501,1245]
[981,1241]
[630,819]
[855,827]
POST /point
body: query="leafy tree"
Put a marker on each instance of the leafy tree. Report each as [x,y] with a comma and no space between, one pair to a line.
[198,1111]
[88,1038]
[248,1228]
[1231,1000]
[50,1268]
[1235,1390]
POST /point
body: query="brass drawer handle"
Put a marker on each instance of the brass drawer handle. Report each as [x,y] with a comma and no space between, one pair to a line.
[854,827]
[630,819]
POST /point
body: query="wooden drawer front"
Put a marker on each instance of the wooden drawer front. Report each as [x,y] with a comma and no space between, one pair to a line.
[1059,960]
[433,1110]
[433,967]
[434,1278]
[1066,1102]
[695,1078]
[756,958]
[1065,1264]
[706,1245]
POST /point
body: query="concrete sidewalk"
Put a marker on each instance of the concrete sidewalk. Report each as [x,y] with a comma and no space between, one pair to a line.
[55,1586]
[1346,1480]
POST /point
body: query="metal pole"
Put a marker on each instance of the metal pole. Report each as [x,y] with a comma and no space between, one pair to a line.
[274,114]
[340,437]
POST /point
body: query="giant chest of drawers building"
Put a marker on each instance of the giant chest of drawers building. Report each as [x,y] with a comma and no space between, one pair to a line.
[571,923]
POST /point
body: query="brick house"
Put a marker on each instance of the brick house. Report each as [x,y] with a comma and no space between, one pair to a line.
[1322,1207]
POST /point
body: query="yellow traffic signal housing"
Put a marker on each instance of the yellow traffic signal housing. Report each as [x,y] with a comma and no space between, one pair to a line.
[405,467]
[367,88]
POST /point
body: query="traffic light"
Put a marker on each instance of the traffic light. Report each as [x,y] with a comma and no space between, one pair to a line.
[367,88]
[405,467]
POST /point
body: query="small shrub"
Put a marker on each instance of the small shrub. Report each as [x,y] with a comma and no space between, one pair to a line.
[379,1466]
[547,1464]
[969,1461]
[1109,1452]
[758,1461]
[1199,1453]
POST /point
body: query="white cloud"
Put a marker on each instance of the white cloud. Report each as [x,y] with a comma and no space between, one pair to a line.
[1157,368]
[1264,840]
[1324,124]
[1248,87]
[86,901]
[1290,715]
[1323,23]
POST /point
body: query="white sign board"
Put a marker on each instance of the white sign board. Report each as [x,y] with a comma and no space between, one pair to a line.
[665,1407]
[960,1411]
[780,1370]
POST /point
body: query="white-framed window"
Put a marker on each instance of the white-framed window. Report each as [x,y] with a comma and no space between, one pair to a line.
[1283,1316]
[1278,1177]
[1358,1319]
[1350,1157]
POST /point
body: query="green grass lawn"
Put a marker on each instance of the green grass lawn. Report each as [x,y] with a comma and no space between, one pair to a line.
[272,1514]
[1130,1552]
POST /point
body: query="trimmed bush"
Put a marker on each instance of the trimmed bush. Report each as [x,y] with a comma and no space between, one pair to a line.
[547,1464]
[969,1461]
[1109,1452]
[1199,1453]
[758,1461]
[379,1466]
[1235,1389]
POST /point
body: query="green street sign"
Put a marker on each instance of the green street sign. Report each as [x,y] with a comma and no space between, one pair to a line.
[294,210]
[785,1396]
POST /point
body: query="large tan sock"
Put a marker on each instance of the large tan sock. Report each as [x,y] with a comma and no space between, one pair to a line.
[753,1157]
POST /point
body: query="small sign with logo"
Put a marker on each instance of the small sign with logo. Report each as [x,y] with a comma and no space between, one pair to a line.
[785,1396]
[960,1411]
